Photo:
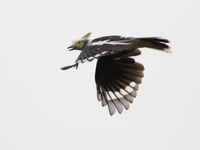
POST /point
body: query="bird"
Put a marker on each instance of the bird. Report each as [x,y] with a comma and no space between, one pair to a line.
[117,74]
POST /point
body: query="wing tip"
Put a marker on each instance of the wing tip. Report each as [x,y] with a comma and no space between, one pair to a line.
[70,66]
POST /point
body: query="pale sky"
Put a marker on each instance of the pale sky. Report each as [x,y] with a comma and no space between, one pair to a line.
[44,108]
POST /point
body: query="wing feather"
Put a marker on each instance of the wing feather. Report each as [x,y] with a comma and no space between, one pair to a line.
[113,78]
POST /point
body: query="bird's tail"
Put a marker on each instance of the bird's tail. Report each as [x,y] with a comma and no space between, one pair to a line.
[155,43]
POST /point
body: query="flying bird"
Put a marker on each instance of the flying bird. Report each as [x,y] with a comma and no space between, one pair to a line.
[117,74]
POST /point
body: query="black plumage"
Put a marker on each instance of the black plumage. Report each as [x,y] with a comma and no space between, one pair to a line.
[117,74]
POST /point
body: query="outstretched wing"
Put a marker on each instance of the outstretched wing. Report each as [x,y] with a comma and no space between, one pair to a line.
[117,81]
[103,46]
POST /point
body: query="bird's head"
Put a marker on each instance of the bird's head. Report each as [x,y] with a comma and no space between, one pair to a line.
[80,44]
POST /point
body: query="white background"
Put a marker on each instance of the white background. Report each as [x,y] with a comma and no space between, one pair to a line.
[44,108]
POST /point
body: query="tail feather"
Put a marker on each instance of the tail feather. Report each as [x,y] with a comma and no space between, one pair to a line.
[155,43]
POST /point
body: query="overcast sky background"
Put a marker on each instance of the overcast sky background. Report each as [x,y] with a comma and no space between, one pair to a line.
[44,108]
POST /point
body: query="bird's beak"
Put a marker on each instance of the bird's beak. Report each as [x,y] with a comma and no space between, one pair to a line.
[70,48]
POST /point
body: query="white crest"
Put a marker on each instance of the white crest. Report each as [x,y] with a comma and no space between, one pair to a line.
[86,36]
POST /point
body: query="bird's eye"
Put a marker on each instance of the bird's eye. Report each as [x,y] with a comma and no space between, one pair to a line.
[79,42]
